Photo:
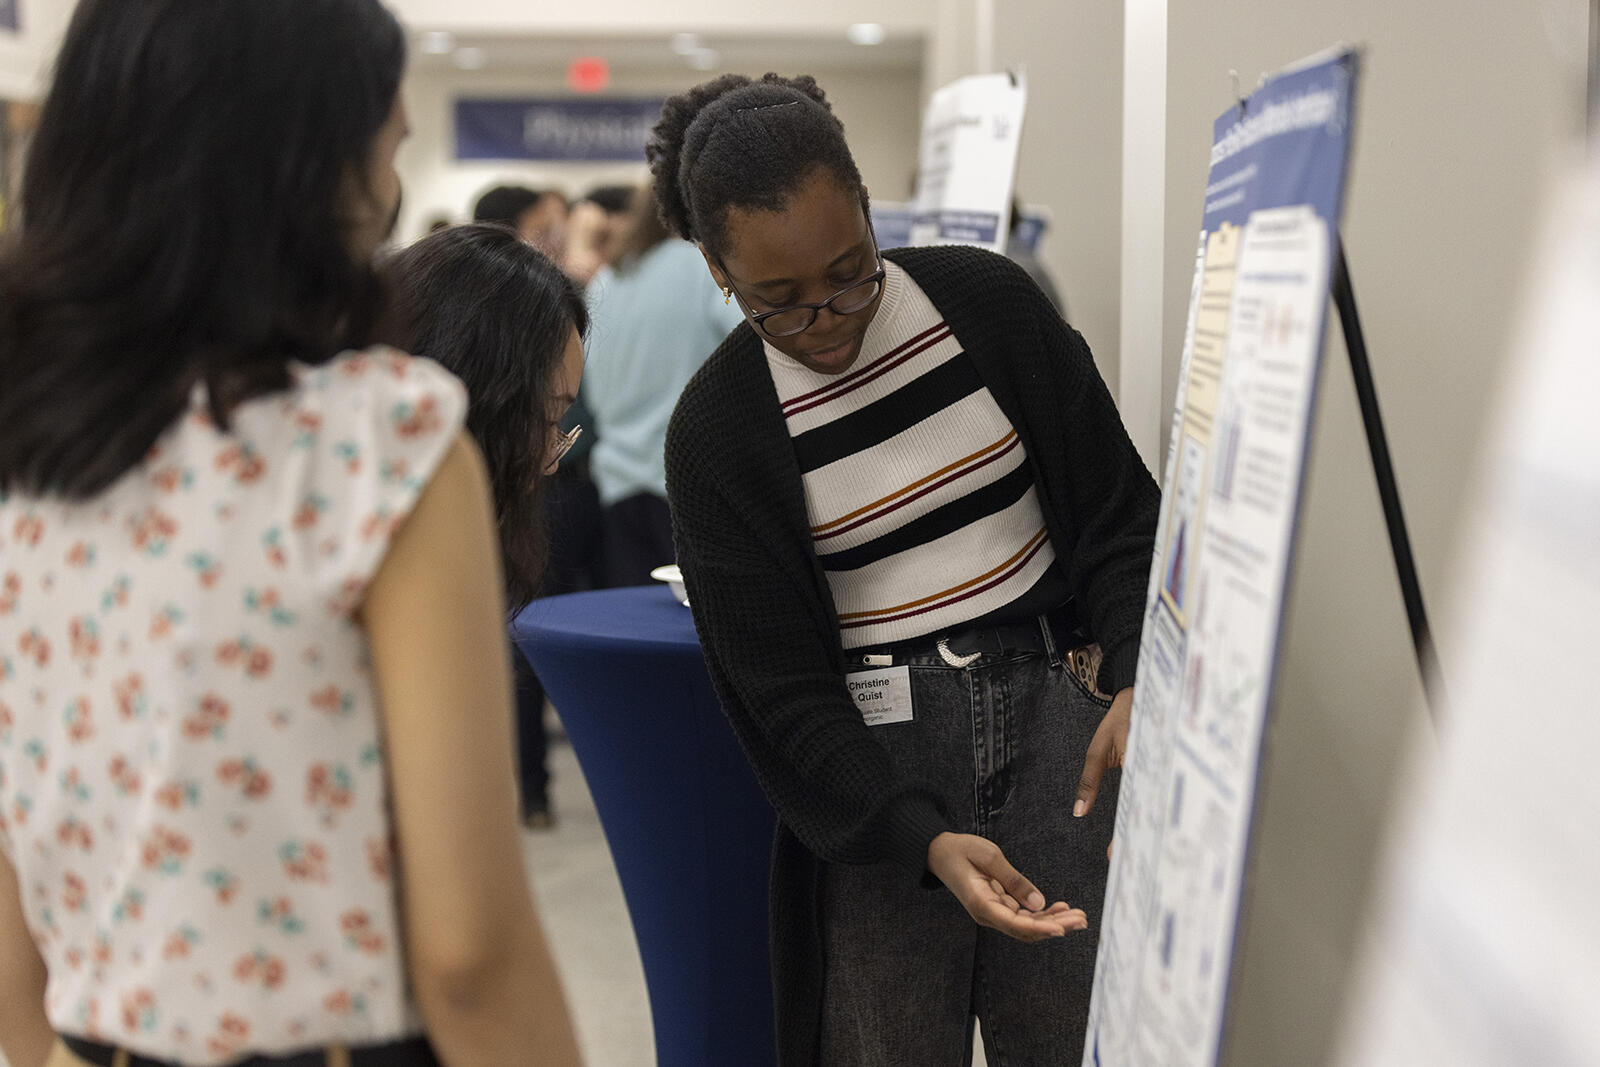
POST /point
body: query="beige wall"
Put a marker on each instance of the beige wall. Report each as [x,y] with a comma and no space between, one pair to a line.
[881,112]
[1071,156]
[1460,109]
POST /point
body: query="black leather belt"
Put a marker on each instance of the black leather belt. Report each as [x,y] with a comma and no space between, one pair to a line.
[412,1052]
[997,640]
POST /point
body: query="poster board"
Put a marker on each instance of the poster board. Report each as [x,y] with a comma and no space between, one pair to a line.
[967,163]
[1224,543]
[1485,947]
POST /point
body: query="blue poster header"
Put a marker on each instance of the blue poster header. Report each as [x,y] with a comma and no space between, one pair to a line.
[582,129]
[1286,144]
[8,15]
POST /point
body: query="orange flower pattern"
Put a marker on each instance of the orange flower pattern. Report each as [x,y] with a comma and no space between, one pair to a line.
[191,772]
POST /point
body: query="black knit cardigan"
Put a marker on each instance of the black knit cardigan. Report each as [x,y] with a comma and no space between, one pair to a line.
[766,617]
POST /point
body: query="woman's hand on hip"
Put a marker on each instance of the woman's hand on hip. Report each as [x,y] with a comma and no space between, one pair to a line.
[995,893]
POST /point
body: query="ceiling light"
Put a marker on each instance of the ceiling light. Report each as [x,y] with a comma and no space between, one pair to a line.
[471,58]
[705,59]
[866,33]
[686,44]
[438,42]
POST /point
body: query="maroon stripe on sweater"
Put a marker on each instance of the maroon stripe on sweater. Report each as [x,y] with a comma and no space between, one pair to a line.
[924,491]
[881,368]
[849,381]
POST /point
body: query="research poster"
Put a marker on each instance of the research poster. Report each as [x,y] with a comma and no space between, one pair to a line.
[967,162]
[1484,948]
[1225,538]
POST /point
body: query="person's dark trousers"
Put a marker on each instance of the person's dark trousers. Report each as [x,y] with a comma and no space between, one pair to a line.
[572,519]
[532,745]
[637,538]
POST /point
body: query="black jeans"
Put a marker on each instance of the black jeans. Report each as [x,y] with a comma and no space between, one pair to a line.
[1004,740]
[533,770]
[572,517]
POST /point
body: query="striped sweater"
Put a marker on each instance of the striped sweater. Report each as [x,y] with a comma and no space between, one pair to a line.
[764,607]
[923,509]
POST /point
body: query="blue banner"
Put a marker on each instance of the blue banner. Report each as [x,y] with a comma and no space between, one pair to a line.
[8,15]
[609,129]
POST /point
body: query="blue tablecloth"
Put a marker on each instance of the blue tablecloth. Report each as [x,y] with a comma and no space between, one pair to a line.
[690,830]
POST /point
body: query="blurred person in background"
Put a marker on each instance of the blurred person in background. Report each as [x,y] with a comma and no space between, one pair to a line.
[1022,244]
[594,230]
[903,475]
[538,216]
[657,318]
[256,794]
[499,315]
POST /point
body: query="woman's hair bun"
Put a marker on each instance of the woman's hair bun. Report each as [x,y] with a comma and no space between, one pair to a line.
[686,123]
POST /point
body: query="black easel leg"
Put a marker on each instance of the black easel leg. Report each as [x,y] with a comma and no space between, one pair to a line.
[1344,299]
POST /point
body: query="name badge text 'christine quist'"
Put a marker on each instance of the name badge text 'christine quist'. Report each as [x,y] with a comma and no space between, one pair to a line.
[883,696]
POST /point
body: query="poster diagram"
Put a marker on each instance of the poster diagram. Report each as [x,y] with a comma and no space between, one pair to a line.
[1224,543]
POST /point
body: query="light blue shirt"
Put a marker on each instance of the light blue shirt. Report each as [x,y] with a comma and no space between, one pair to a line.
[651,326]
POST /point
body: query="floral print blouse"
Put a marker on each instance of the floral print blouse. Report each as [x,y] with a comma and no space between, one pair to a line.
[192,785]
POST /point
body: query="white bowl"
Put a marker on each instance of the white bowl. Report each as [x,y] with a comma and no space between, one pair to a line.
[674,579]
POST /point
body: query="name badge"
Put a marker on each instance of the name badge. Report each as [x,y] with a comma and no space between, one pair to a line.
[883,696]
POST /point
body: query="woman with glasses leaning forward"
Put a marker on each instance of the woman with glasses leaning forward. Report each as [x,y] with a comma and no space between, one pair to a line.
[916,540]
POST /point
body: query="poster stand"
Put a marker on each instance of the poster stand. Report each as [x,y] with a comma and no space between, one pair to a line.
[1405,565]
[1267,269]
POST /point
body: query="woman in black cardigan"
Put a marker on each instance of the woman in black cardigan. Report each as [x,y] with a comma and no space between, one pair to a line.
[903,481]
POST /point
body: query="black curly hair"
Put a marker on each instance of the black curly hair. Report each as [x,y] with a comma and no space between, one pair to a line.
[736,142]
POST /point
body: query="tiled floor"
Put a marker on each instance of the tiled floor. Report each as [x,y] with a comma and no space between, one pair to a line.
[580,899]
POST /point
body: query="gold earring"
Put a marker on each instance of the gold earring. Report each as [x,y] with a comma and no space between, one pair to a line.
[727,294]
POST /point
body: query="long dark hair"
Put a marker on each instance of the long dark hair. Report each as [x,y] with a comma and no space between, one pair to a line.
[498,314]
[185,217]
[734,142]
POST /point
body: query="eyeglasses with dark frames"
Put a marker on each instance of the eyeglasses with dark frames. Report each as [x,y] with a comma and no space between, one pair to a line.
[797,318]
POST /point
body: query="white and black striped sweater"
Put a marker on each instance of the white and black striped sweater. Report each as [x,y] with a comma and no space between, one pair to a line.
[923,510]
[765,611]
